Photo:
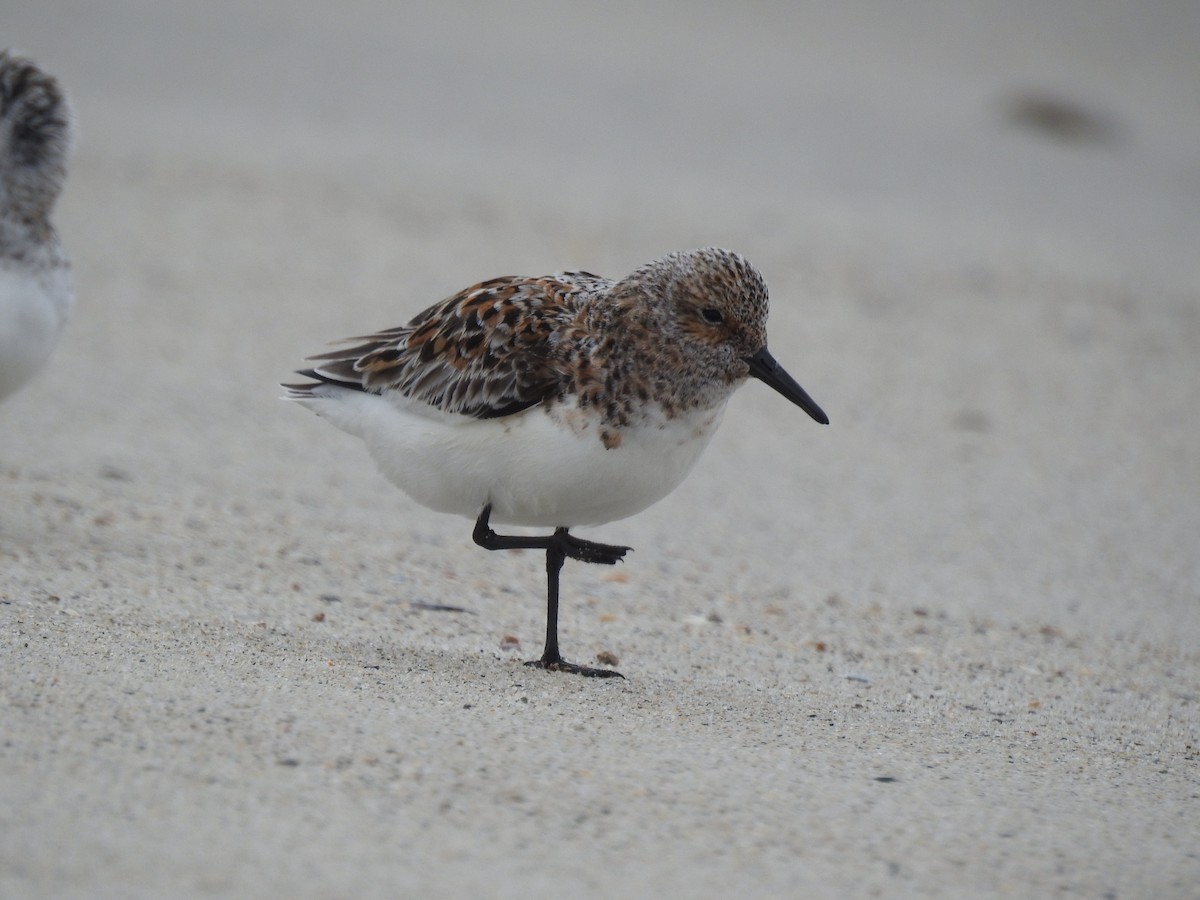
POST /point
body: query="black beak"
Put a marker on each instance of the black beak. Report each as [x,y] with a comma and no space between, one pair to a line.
[764,367]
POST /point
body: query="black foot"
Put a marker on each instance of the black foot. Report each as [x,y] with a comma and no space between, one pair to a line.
[592,552]
[561,665]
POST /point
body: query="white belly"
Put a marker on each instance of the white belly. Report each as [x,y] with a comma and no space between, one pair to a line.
[532,468]
[33,310]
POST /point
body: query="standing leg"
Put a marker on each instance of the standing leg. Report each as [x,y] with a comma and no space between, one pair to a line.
[554,564]
[558,547]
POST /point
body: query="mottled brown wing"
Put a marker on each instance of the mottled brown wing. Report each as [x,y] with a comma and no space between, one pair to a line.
[486,352]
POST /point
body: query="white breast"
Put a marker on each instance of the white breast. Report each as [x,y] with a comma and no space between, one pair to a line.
[534,468]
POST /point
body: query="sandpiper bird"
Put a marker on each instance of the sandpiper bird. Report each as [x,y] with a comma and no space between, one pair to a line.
[555,401]
[35,277]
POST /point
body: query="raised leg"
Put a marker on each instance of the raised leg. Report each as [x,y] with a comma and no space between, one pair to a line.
[559,547]
[572,547]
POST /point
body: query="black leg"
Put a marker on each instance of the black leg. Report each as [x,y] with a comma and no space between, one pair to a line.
[559,547]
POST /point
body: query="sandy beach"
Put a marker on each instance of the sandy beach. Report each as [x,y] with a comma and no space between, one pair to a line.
[948,645]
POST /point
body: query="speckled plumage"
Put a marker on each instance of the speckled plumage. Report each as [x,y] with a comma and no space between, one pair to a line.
[504,345]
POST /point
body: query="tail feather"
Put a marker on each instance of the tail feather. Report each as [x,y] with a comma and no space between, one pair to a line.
[305,391]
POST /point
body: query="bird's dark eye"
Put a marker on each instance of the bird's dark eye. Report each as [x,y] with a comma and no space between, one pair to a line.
[712,315]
